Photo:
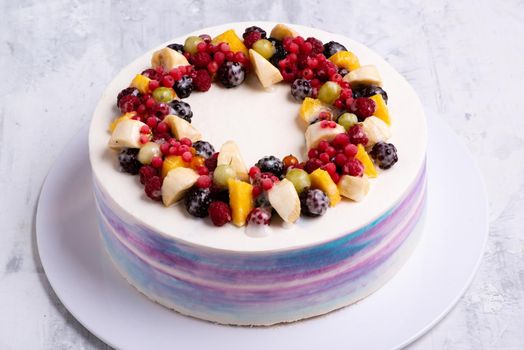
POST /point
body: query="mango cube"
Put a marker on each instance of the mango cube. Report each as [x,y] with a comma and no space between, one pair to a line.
[230,37]
[141,82]
[320,179]
[240,200]
[173,162]
[365,159]
[381,109]
[345,59]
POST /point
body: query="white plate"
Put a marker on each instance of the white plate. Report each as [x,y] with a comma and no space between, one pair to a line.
[426,288]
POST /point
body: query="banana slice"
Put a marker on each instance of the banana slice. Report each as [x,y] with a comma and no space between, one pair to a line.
[182,128]
[315,134]
[230,155]
[126,134]
[176,184]
[168,59]
[353,187]
[284,199]
[281,31]
[376,130]
[267,73]
[365,75]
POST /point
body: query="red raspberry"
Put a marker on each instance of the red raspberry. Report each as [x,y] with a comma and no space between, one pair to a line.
[128,103]
[220,213]
[350,150]
[353,167]
[317,46]
[251,38]
[340,141]
[146,172]
[259,216]
[202,80]
[363,107]
[153,188]
[201,59]
[152,74]
[357,135]
[211,162]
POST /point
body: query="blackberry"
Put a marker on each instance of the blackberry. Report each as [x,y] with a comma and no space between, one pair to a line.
[197,202]
[343,71]
[127,91]
[368,91]
[300,89]
[184,86]
[177,47]
[204,149]
[332,48]
[384,154]
[231,74]
[254,29]
[280,52]
[181,109]
[128,159]
[313,202]
[271,164]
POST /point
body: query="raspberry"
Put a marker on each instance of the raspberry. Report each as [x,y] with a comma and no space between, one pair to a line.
[251,37]
[259,30]
[146,172]
[201,59]
[128,159]
[211,162]
[153,188]
[317,46]
[384,154]
[128,103]
[357,135]
[271,164]
[220,213]
[202,80]
[197,202]
[152,74]
[204,149]
[363,107]
[127,91]
[353,167]
[313,202]
[259,216]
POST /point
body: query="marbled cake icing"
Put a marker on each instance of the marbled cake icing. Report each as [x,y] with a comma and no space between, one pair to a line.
[223,275]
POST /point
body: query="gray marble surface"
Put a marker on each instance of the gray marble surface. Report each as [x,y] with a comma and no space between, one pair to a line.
[464,58]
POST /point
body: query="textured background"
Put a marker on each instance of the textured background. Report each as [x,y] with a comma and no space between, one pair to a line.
[464,58]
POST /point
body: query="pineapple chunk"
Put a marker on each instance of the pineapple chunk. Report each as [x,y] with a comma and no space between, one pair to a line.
[311,108]
[283,197]
[176,184]
[141,82]
[281,31]
[232,39]
[181,128]
[123,117]
[345,59]
[363,156]
[381,109]
[353,187]
[364,75]
[240,200]
[320,179]
[173,162]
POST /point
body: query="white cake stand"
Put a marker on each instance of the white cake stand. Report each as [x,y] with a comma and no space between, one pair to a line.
[426,288]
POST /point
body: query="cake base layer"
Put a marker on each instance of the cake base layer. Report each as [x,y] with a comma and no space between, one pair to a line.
[262,288]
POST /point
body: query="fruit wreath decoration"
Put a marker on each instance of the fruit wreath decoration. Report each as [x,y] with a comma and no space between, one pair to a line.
[343,106]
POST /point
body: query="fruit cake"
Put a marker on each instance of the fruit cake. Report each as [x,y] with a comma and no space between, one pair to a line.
[258,173]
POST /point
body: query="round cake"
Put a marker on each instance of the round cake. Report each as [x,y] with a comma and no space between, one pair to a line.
[314,235]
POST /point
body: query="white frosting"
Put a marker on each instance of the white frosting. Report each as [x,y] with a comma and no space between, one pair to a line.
[262,123]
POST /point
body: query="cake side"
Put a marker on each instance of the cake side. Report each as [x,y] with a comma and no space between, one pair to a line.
[263,288]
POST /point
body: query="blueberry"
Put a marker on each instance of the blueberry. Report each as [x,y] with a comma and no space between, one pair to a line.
[181,109]
[300,89]
[368,91]
[204,149]
[177,47]
[197,202]
[384,154]
[332,48]
[313,202]
[231,74]
[271,164]
[128,159]
[184,86]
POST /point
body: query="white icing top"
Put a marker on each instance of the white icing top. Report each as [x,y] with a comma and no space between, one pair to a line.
[262,123]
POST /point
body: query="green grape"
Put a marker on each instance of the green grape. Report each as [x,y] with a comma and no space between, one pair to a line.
[264,48]
[163,94]
[190,45]
[329,92]
[299,178]
[148,151]
[223,173]
[347,120]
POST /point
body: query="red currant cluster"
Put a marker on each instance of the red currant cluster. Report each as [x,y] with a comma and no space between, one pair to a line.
[211,57]
[261,181]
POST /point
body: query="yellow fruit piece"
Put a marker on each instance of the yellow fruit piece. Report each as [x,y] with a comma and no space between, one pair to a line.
[240,200]
[311,108]
[363,156]
[381,109]
[231,38]
[345,59]
[173,162]
[197,161]
[141,82]
[124,116]
[320,179]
